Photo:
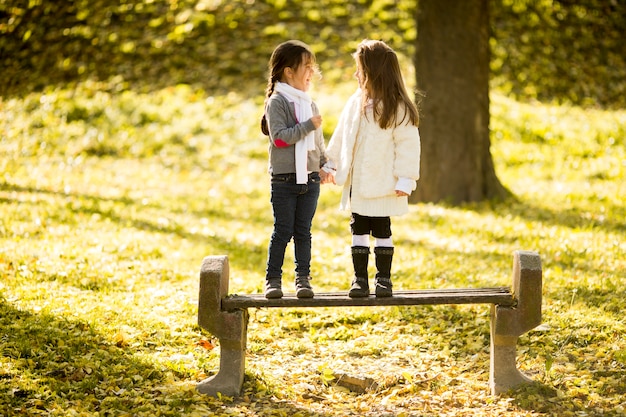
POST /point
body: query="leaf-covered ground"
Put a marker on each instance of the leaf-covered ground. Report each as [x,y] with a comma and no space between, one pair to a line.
[109,203]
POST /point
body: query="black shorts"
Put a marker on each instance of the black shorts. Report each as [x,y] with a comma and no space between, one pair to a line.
[379,227]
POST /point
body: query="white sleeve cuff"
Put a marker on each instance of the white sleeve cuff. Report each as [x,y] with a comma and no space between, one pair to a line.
[406,185]
[329,167]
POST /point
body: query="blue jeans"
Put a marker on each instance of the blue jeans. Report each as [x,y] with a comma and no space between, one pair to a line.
[294,206]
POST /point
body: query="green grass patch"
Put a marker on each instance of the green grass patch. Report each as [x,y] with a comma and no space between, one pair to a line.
[109,203]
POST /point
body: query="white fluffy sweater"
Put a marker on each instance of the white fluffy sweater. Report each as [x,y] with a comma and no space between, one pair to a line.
[372,162]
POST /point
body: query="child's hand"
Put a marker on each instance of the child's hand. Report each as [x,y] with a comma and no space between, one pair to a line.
[401,193]
[317,121]
[327,177]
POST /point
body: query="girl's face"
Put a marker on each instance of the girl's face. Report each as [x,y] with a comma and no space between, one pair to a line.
[300,78]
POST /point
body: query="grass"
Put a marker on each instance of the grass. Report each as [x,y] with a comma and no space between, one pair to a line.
[110,202]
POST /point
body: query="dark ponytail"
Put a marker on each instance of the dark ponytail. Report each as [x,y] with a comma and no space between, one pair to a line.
[268,93]
[264,128]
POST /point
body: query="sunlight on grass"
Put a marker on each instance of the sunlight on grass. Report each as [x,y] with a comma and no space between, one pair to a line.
[110,202]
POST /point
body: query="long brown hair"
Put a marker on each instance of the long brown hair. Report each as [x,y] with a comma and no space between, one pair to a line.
[383,84]
[289,54]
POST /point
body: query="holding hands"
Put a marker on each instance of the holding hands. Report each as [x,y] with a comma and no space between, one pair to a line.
[327,177]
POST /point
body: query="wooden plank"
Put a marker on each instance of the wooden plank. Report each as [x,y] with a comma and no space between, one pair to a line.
[497,295]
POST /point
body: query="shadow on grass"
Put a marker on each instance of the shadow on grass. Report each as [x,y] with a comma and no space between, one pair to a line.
[118,211]
[610,299]
[48,359]
[440,259]
[541,398]
[53,363]
[578,219]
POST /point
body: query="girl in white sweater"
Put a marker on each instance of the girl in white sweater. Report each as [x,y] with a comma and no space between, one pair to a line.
[375,151]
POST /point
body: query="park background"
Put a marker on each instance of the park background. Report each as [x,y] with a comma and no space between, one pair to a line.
[130,150]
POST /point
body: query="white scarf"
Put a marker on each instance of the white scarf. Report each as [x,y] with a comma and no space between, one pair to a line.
[304,112]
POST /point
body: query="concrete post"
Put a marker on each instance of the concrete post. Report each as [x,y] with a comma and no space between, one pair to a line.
[229,327]
[508,323]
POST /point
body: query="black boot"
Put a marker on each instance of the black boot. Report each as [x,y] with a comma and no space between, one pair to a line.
[360,286]
[384,256]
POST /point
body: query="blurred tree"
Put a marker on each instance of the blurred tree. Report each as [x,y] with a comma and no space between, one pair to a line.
[563,51]
[452,70]
[569,51]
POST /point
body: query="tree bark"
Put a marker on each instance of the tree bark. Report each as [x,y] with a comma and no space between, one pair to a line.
[452,71]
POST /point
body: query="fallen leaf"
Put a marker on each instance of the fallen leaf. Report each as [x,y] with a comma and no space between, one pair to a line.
[206,344]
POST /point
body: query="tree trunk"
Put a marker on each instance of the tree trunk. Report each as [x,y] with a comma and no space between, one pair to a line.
[452,66]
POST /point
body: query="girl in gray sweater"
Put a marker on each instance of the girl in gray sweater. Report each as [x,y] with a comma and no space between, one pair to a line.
[296,154]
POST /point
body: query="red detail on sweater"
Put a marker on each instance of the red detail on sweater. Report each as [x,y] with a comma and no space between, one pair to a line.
[279,143]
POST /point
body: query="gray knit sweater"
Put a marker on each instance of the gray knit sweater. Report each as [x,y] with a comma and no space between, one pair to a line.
[285,131]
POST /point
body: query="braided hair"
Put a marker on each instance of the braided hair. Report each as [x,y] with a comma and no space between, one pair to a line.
[289,54]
